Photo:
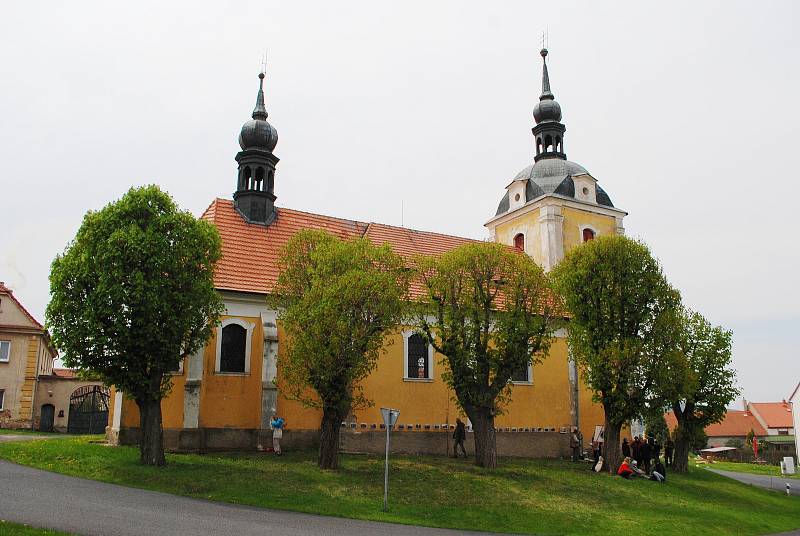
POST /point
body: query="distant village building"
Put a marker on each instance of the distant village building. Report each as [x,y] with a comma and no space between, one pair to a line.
[33,394]
[794,400]
[224,395]
[770,422]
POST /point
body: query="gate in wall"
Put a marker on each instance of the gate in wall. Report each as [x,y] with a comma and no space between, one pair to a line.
[88,410]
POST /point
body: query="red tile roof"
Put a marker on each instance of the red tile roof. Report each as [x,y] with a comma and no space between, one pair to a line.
[250,252]
[736,423]
[64,373]
[775,414]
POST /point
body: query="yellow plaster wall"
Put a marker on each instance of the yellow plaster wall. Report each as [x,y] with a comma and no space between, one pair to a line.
[232,401]
[529,225]
[546,403]
[575,218]
[172,405]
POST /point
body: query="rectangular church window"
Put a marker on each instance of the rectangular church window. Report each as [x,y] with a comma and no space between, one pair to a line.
[522,375]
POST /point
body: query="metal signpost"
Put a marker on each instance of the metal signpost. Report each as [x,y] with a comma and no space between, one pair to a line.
[389,419]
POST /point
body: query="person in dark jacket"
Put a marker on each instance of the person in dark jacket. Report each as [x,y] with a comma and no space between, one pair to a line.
[669,448]
[626,448]
[576,444]
[646,454]
[635,448]
[460,434]
[659,472]
[656,451]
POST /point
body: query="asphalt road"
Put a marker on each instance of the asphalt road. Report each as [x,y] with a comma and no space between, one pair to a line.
[763,481]
[49,500]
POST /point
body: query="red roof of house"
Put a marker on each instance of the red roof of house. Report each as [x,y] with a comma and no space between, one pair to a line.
[736,423]
[64,373]
[5,290]
[775,414]
[250,252]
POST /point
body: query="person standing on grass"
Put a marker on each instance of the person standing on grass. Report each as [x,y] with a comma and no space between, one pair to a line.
[459,435]
[575,444]
[645,453]
[669,448]
[656,451]
[626,448]
[635,448]
[277,424]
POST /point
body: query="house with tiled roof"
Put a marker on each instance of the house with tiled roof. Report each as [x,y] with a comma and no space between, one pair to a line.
[794,400]
[734,428]
[224,395]
[25,355]
[33,394]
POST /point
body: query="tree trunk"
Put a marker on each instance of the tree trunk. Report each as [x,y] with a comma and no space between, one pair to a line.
[485,439]
[329,439]
[151,436]
[680,457]
[612,454]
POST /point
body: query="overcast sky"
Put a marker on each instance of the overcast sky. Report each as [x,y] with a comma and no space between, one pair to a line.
[686,112]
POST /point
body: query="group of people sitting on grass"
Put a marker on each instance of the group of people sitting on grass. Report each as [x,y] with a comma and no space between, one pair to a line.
[645,452]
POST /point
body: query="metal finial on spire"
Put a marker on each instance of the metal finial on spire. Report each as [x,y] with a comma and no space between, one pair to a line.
[546,93]
[260,111]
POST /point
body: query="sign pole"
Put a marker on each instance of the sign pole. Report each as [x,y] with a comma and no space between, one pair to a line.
[386,474]
[389,419]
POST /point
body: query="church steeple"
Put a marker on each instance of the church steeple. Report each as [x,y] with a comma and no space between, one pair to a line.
[254,197]
[549,131]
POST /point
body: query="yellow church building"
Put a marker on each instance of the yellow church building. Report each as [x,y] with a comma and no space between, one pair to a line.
[223,397]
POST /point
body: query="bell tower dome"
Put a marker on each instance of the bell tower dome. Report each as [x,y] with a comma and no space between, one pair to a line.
[254,198]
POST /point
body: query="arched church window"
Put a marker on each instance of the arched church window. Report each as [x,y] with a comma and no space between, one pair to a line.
[259,179]
[234,341]
[246,178]
[588,234]
[519,242]
[558,144]
[548,142]
[538,145]
[418,357]
[271,181]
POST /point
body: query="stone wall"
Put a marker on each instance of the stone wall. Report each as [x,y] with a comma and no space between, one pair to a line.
[513,444]
[436,443]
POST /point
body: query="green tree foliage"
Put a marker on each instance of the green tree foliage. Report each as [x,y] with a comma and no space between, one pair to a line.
[656,425]
[132,295]
[337,300]
[620,306]
[488,310]
[701,383]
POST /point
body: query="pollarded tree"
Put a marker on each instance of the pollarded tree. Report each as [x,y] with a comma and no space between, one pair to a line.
[489,311]
[621,306]
[337,300]
[701,387]
[132,295]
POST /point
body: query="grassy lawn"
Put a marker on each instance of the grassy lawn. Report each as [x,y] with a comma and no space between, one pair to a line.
[522,496]
[22,431]
[9,529]
[754,468]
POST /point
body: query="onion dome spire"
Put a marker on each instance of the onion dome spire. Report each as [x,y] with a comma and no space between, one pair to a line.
[260,111]
[255,183]
[547,109]
[549,131]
